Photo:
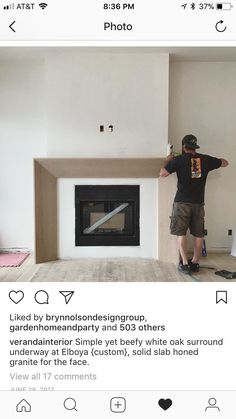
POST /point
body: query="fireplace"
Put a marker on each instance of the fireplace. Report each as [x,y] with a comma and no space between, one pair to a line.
[55,181]
[107,215]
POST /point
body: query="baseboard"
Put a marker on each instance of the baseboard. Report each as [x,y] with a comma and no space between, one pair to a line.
[214,249]
[15,249]
[219,250]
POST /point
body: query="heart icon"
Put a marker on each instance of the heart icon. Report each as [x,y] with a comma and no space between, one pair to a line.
[16,296]
[165,403]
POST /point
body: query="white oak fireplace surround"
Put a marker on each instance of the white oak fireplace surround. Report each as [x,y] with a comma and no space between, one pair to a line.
[48,170]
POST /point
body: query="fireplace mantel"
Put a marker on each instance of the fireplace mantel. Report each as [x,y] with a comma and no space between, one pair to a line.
[48,170]
[102,168]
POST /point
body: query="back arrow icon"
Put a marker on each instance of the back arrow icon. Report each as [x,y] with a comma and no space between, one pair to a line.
[10,26]
[218,28]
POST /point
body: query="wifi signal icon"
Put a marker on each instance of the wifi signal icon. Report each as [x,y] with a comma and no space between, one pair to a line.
[43,5]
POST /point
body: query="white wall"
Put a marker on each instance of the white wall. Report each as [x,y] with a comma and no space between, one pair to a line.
[148,220]
[203,102]
[56,100]
[22,137]
[52,102]
[127,90]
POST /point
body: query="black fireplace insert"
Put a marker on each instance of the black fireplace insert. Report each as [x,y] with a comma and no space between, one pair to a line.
[107,215]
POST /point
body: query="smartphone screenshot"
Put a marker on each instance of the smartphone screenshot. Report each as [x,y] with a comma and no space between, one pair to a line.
[117,209]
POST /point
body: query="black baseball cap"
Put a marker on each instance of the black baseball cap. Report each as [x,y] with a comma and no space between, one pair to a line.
[190,141]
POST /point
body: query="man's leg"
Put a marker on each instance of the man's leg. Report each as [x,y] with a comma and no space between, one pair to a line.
[197,230]
[183,248]
[180,221]
[198,242]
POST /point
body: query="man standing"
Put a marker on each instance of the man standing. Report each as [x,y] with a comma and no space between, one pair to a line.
[192,169]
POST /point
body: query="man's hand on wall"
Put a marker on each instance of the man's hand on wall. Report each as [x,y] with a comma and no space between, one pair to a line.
[170,157]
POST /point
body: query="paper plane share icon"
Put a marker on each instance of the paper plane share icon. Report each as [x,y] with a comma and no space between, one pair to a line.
[67,295]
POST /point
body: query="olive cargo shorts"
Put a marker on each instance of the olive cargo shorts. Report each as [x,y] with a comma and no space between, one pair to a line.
[187,216]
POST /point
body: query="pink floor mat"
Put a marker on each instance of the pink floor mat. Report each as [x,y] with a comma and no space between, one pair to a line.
[12,259]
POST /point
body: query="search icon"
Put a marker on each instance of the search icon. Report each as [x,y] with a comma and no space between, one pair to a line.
[70,404]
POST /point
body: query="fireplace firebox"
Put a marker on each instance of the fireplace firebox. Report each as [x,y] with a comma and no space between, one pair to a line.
[107,215]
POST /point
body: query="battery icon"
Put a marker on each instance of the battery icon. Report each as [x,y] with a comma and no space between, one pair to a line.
[224,6]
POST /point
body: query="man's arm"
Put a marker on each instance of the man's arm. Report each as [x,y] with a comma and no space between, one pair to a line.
[163,172]
[224,163]
[215,163]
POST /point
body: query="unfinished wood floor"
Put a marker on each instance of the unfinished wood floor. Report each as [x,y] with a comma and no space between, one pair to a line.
[116,270]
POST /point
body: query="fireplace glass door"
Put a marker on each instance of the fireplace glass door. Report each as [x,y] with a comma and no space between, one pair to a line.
[107,215]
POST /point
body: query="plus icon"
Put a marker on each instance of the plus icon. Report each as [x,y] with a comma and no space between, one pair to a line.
[118,405]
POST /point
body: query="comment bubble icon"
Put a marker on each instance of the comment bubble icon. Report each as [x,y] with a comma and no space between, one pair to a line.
[41,297]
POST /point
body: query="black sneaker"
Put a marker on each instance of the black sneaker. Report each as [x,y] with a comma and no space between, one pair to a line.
[184,269]
[194,267]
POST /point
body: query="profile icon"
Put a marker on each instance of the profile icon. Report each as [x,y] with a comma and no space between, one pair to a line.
[212,404]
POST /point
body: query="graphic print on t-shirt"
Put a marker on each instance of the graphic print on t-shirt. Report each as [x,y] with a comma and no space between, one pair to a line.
[196,171]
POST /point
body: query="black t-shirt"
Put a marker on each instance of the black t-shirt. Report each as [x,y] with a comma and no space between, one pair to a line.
[192,171]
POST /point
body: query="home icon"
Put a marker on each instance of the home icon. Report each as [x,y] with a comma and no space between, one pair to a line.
[23,406]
